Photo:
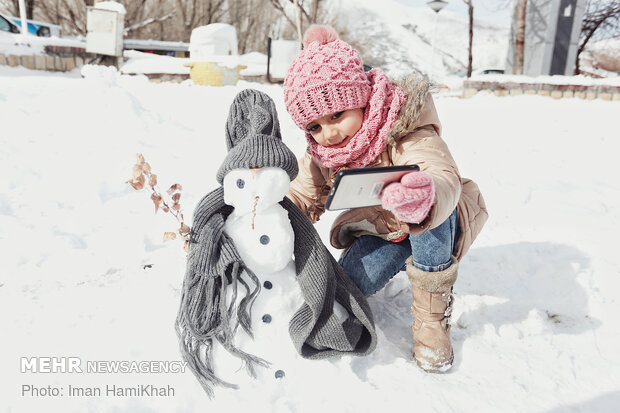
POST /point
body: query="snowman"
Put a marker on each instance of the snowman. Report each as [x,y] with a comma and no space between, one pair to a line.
[263,235]
[260,288]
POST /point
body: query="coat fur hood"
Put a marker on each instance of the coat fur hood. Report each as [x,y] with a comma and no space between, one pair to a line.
[416,87]
[414,138]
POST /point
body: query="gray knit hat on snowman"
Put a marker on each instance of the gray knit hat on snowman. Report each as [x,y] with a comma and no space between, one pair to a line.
[253,136]
[215,267]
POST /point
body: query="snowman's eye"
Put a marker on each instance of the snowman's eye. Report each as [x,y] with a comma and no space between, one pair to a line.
[240,183]
[264,239]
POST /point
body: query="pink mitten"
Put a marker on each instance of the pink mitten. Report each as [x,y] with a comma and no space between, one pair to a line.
[411,199]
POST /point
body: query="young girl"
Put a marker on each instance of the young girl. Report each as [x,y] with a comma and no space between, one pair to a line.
[427,221]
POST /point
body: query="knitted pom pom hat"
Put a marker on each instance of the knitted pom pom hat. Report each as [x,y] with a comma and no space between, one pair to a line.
[253,136]
[326,77]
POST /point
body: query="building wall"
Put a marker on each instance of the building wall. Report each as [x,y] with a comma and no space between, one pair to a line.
[543,39]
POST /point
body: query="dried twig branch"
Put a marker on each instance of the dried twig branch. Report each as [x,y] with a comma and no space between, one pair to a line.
[141,177]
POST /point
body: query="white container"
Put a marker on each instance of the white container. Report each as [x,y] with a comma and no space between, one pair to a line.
[283,52]
[104,31]
[217,39]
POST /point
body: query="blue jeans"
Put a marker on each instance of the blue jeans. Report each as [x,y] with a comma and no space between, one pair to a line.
[372,261]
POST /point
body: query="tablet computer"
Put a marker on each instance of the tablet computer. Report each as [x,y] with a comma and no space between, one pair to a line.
[358,188]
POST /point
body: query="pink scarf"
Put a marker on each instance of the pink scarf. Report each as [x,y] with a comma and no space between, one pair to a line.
[379,115]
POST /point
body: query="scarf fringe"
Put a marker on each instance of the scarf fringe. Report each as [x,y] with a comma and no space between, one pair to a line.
[213,266]
[205,315]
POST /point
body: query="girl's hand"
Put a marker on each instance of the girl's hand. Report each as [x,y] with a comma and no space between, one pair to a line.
[411,199]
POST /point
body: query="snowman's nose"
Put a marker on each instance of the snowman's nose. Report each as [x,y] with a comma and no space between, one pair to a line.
[254,210]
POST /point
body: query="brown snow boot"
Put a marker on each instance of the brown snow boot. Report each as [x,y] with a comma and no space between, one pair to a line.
[432,306]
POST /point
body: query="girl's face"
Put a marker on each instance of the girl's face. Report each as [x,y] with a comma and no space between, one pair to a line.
[336,129]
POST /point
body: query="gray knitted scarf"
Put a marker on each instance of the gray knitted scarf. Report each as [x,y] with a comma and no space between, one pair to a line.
[214,265]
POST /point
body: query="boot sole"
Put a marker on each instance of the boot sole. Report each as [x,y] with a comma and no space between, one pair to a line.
[435,368]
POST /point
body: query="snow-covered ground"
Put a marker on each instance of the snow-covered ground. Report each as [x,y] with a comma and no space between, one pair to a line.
[85,273]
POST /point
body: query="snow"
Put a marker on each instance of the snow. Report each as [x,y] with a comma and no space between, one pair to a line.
[255,62]
[551,80]
[604,53]
[13,44]
[264,240]
[283,52]
[216,39]
[267,185]
[144,63]
[259,226]
[85,272]
[402,36]
[263,236]
[112,6]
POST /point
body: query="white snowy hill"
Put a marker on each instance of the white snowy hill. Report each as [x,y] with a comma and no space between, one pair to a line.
[85,273]
[400,37]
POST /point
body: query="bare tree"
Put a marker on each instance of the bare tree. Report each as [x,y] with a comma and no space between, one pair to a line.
[194,13]
[470,8]
[143,15]
[29,9]
[188,12]
[521,8]
[69,14]
[254,20]
[8,6]
[307,15]
[298,21]
[600,20]
[12,6]
[142,24]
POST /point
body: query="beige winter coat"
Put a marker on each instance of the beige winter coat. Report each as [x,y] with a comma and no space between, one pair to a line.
[415,138]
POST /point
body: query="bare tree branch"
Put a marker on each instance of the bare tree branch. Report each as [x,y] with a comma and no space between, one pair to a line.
[598,17]
[521,10]
[315,11]
[470,8]
[146,22]
[300,6]
[276,4]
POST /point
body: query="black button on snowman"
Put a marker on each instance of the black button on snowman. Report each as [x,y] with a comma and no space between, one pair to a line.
[242,271]
[259,226]
[262,233]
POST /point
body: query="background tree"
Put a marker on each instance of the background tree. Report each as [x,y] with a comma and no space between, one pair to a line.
[255,21]
[150,19]
[12,6]
[304,13]
[70,15]
[520,13]
[174,20]
[194,13]
[470,9]
[601,20]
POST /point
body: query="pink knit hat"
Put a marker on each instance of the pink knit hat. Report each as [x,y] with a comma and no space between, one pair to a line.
[326,77]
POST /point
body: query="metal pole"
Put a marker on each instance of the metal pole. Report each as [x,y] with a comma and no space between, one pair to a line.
[436,6]
[22,17]
[434,40]
[268,59]
[298,22]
